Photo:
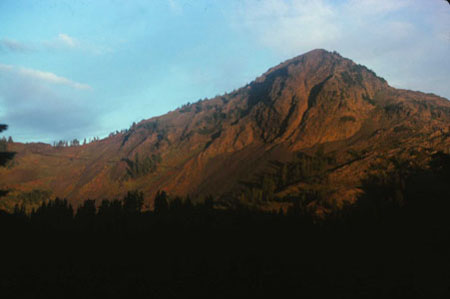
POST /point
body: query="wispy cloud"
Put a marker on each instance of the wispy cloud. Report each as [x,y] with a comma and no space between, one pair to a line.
[44,76]
[67,40]
[14,46]
[61,43]
[402,40]
[287,26]
[376,7]
[294,26]
[37,109]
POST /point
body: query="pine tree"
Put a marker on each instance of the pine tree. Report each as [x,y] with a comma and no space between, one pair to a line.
[5,156]
[161,204]
[133,202]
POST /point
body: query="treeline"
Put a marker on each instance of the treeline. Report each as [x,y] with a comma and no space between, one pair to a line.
[310,169]
[4,143]
[6,140]
[138,167]
[394,184]
[74,142]
[394,242]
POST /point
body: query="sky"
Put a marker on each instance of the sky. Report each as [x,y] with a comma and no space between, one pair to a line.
[79,69]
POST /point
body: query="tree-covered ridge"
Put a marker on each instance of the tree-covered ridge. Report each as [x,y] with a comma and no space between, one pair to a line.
[138,167]
[304,168]
[392,184]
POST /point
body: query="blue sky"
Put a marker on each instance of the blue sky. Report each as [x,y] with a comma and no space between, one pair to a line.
[76,69]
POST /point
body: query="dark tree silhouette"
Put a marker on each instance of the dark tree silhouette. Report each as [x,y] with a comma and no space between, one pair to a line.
[161,203]
[86,213]
[5,156]
[133,202]
[393,243]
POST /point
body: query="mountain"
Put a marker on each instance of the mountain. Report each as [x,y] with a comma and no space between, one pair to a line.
[318,114]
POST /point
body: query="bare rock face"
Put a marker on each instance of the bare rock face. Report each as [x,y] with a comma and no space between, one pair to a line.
[212,146]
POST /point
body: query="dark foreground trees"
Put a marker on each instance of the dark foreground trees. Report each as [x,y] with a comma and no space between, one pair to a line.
[382,249]
[5,155]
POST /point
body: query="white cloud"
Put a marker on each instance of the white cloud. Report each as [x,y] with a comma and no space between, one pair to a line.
[288,26]
[292,27]
[44,76]
[37,109]
[403,40]
[62,42]
[67,40]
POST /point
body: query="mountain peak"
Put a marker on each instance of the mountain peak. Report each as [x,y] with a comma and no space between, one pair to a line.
[302,98]
[320,61]
[318,53]
[210,147]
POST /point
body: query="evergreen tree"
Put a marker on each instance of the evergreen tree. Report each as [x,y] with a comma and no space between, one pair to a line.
[176,204]
[161,204]
[86,211]
[209,202]
[133,202]
[5,156]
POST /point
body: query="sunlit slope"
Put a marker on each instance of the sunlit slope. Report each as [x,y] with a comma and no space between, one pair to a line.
[318,100]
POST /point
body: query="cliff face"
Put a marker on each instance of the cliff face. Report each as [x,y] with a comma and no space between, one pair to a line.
[316,100]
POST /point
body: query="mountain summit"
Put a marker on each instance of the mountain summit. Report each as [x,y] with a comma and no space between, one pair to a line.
[316,104]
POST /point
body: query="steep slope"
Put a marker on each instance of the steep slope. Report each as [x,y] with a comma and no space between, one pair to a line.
[318,100]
